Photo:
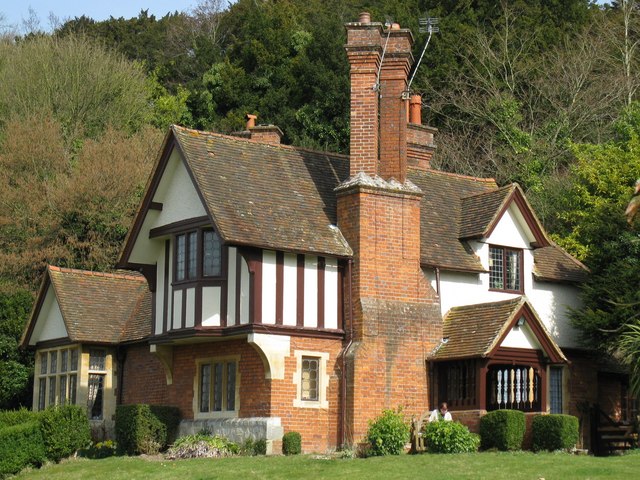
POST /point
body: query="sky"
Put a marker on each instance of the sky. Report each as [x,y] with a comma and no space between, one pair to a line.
[14,11]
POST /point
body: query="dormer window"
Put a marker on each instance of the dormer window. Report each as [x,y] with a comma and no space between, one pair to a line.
[198,255]
[505,269]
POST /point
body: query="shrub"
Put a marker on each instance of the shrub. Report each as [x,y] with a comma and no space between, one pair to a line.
[554,432]
[105,449]
[292,443]
[202,446]
[65,430]
[388,434]
[503,429]
[9,418]
[252,447]
[450,437]
[144,428]
[20,446]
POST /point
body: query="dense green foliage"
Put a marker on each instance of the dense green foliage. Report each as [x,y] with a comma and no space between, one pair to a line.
[253,447]
[450,437]
[9,418]
[105,449]
[502,429]
[388,433]
[145,428]
[65,430]
[20,446]
[554,432]
[292,443]
[16,366]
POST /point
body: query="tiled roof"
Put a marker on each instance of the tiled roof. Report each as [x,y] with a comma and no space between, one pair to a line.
[554,264]
[269,196]
[472,330]
[102,307]
[480,211]
[440,217]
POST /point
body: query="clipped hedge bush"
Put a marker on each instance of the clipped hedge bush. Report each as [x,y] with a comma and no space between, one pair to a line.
[252,447]
[503,429]
[554,432]
[9,418]
[292,443]
[144,428]
[65,430]
[388,434]
[20,446]
[450,437]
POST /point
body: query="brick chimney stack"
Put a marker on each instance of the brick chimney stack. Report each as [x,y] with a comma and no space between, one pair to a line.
[393,103]
[364,52]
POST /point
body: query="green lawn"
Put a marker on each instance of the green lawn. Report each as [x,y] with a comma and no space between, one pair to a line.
[490,466]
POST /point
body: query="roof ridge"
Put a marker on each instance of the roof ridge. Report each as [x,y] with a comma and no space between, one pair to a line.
[511,186]
[91,273]
[258,142]
[458,175]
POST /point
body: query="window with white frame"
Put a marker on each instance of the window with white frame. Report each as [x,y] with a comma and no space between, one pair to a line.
[97,376]
[57,377]
[218,386]
[505,269]
[311,379]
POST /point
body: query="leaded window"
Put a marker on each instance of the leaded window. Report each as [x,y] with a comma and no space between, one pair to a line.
[310,379]
[217,386]
[57,377]
[505,269]
[198,254]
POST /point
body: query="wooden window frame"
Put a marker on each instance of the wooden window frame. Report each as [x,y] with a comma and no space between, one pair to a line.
[504,276]
[210,411]
[199,276]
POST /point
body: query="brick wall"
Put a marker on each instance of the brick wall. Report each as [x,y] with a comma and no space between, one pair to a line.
[143,378]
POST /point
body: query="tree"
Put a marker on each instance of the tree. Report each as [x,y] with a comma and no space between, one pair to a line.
[77,82]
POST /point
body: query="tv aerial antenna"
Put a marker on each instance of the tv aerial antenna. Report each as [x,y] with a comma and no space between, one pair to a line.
[388,23]
[426,25]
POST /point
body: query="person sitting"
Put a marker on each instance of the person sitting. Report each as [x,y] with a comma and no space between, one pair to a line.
[441,414]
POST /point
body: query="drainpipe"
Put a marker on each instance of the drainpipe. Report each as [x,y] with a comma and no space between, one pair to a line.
[343,409]
[121,356]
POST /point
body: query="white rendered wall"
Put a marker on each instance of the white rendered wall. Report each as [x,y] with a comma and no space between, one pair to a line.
[550,300]
[521,337]
[211,306]
[269,287]
[190,311]
[290,290]
[310,291]
[231,286]
[49,324]
[331,293]
[180,201]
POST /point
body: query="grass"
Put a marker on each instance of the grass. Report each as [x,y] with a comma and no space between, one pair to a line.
[488,465]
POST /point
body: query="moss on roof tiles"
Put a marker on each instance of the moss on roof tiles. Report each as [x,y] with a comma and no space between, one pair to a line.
[268,196]
[102,307]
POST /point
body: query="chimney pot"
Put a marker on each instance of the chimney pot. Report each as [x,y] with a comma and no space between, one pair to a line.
[251,121]
[365,17]
[395,26]
[415,109]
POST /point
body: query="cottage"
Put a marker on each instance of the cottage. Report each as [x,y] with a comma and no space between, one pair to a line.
[274,288]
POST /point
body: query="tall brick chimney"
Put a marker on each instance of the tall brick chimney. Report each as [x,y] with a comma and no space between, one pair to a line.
[394,315]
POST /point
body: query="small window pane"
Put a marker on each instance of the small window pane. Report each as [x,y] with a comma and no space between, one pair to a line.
[193,254]
[63,390]
[212,254]
[218,387]
[42,393]
[53,362]
[43,363]
[52,390]
[74,360]
[97,359]
[513,270]
[95,396]
[310,369]
[64,360]
[72,389]
[496,270]
[180,257]
[555,387]
[205,387]
[231,386]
